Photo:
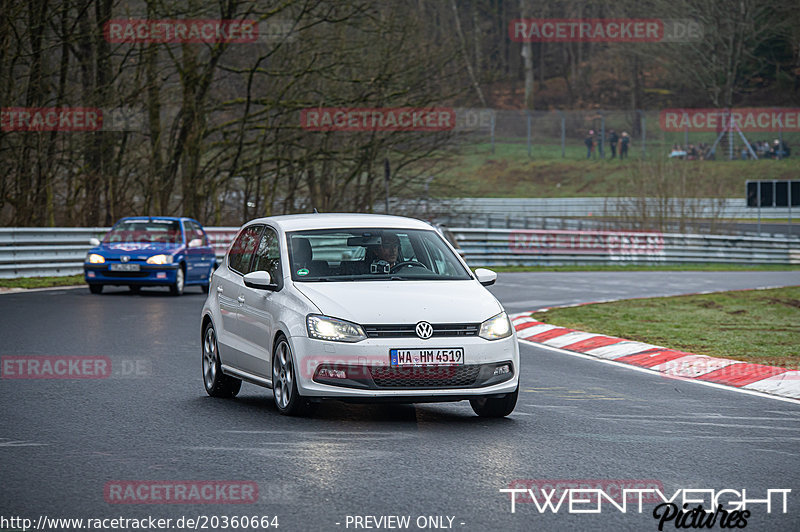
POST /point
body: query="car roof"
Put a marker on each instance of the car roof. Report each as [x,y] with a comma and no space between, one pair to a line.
[300,222]
[171,218]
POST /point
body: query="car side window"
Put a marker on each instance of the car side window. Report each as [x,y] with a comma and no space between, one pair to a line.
[441,263]
[193,230]
[268,255]
[242,250]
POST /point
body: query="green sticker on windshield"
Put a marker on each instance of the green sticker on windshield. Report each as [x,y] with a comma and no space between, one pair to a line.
[302,271]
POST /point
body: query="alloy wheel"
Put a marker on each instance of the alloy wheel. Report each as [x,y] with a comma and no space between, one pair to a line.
[282,374]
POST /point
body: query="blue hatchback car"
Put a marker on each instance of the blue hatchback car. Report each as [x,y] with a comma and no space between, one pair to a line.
[151,251]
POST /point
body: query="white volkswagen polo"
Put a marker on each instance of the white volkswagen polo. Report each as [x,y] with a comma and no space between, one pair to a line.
[356,307]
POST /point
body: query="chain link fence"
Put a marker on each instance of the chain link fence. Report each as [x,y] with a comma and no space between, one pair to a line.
[599,134]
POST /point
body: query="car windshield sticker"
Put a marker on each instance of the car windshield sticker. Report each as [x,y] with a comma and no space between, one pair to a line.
[302,271]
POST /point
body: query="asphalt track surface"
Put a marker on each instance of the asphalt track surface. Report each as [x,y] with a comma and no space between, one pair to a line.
[63,440]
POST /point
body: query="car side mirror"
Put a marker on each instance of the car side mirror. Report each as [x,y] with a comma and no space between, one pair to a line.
[94,242]
[195,242]
[259,280]
[485,277]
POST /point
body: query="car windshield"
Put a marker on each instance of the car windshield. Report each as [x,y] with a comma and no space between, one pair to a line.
[372,254]
[153,231]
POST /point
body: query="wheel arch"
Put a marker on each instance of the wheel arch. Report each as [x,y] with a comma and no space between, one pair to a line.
[206,320]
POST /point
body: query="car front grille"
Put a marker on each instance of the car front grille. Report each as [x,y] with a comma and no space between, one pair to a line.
[440,330]
[425,376]
[110,273]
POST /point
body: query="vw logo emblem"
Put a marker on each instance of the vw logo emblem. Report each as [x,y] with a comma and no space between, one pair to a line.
[124,258]
[424,330]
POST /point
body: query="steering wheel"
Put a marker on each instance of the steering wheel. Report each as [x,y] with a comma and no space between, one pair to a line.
[407,263]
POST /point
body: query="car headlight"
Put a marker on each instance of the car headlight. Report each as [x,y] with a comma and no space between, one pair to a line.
[325,328]
[496,327]
[94,258]
[160,259]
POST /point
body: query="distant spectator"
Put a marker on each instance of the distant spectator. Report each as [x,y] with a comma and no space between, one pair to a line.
[677,152]
[779,150]
[613,139]
[589,142]
[702,150]
[623,145]
[691,153]
[744,153]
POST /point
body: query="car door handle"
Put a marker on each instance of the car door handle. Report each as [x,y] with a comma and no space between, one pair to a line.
[240,299]
[219,289]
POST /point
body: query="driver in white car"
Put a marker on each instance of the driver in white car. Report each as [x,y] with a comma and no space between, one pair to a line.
[382,257]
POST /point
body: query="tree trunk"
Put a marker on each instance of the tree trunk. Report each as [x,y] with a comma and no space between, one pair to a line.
[527,59]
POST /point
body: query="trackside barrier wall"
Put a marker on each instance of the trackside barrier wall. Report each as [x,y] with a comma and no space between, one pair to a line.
[58,251]
[505,247]
[38,252]
[726,208]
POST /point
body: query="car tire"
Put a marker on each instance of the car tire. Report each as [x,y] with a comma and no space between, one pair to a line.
[495,407]
[96,288]
[216,383]
[177,287]
[284,382]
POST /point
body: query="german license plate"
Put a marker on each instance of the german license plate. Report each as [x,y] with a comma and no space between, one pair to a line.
[451,356]
[124,267]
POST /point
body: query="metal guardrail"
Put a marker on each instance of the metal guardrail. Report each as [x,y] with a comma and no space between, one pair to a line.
[726,208]
[38,252]
[59,251]
[504,247]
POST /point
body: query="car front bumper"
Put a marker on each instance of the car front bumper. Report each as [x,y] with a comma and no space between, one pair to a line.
[368,374]
[148,275]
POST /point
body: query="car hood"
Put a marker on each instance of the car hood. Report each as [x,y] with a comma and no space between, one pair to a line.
[399,302]
[135,250]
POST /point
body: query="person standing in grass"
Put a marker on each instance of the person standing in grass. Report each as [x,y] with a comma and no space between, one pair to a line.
[589,142]
[623,145]
[613,139]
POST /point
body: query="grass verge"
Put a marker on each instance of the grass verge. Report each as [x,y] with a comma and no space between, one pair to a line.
[758,326]
[510,173]
[41,282]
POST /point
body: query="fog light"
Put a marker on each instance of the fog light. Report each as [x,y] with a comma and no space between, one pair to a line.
[327,373]
[90,274]
[161,275]
[502,370]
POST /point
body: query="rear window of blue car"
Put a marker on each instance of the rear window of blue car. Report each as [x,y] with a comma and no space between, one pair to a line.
[154,231]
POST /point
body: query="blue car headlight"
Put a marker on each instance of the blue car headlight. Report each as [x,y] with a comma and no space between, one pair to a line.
[160,259]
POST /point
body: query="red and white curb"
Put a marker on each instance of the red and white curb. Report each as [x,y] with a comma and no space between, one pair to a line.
[671,363]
